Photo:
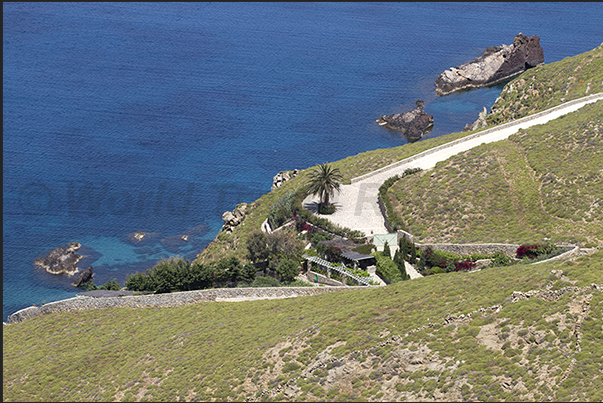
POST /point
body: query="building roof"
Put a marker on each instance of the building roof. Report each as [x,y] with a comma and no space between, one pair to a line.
[356,256]
[380,239]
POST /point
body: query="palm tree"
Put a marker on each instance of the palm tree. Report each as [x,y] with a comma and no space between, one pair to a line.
[324,181]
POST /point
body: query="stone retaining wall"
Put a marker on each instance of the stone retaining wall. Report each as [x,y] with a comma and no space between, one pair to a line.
[172,299]
[491,248]
[468,249]
[322,279]
[476,135]
[571,251]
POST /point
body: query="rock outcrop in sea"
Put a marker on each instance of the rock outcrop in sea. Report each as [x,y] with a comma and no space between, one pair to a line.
[479,122]
[412,124]
[61,260]
[496,64]
[83,277]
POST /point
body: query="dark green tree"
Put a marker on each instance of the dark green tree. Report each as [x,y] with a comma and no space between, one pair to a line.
[140,282]
[422,261]
[413,253]
[404,248]
[284,244]
[386,251]
[287,269]
[112,284]
[400,264]
[257,249]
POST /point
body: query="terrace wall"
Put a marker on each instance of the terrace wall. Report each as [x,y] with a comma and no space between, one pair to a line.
[81,303]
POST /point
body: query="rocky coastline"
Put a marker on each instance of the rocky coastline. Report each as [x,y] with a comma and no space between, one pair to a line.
[85,276]
[479,123]
[498,63]
[234,218]
[283,177]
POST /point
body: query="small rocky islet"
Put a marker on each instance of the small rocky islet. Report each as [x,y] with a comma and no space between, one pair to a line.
[413,124]
[61,260]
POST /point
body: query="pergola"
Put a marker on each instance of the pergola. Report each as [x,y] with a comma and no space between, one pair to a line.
[359,259]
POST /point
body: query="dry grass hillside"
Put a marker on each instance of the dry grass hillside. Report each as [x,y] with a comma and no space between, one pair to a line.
[549,85]
[543,182]
[517,333]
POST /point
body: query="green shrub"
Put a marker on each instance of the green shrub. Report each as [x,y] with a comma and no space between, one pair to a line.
[282,209]
[180,275]
[287,269]
[257,249]
[500,259]
[290,366]
[320,236]
[112,284]
[326,209]
[387,269]
[262,281]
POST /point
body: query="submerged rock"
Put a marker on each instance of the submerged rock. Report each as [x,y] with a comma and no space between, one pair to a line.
[61,260]
[412,124]
[496,64]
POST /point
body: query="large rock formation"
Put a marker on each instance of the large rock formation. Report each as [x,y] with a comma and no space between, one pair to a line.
[234,218]
[412,124]
[496,64]
[61,260]
[283,177]
[84,277]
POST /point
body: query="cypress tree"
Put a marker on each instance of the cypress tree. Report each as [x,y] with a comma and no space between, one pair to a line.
[401,267]
[413,254]
[404,249]
[386,251]
[422,262]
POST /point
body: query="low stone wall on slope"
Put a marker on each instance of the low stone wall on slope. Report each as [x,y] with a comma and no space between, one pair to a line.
[172,299]
[491,248]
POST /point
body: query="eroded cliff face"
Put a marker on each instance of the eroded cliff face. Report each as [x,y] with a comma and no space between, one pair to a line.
[496,64]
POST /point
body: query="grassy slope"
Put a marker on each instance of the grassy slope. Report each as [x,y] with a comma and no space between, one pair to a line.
[230,351]
[549,85]
[546,181]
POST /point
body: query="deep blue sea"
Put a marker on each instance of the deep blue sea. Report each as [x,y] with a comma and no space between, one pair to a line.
[158,117]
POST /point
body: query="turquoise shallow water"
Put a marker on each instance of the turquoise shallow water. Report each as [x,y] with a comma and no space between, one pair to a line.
[158,117]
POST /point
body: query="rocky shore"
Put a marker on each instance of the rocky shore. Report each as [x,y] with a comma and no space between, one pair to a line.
[496,64]
[234,218]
